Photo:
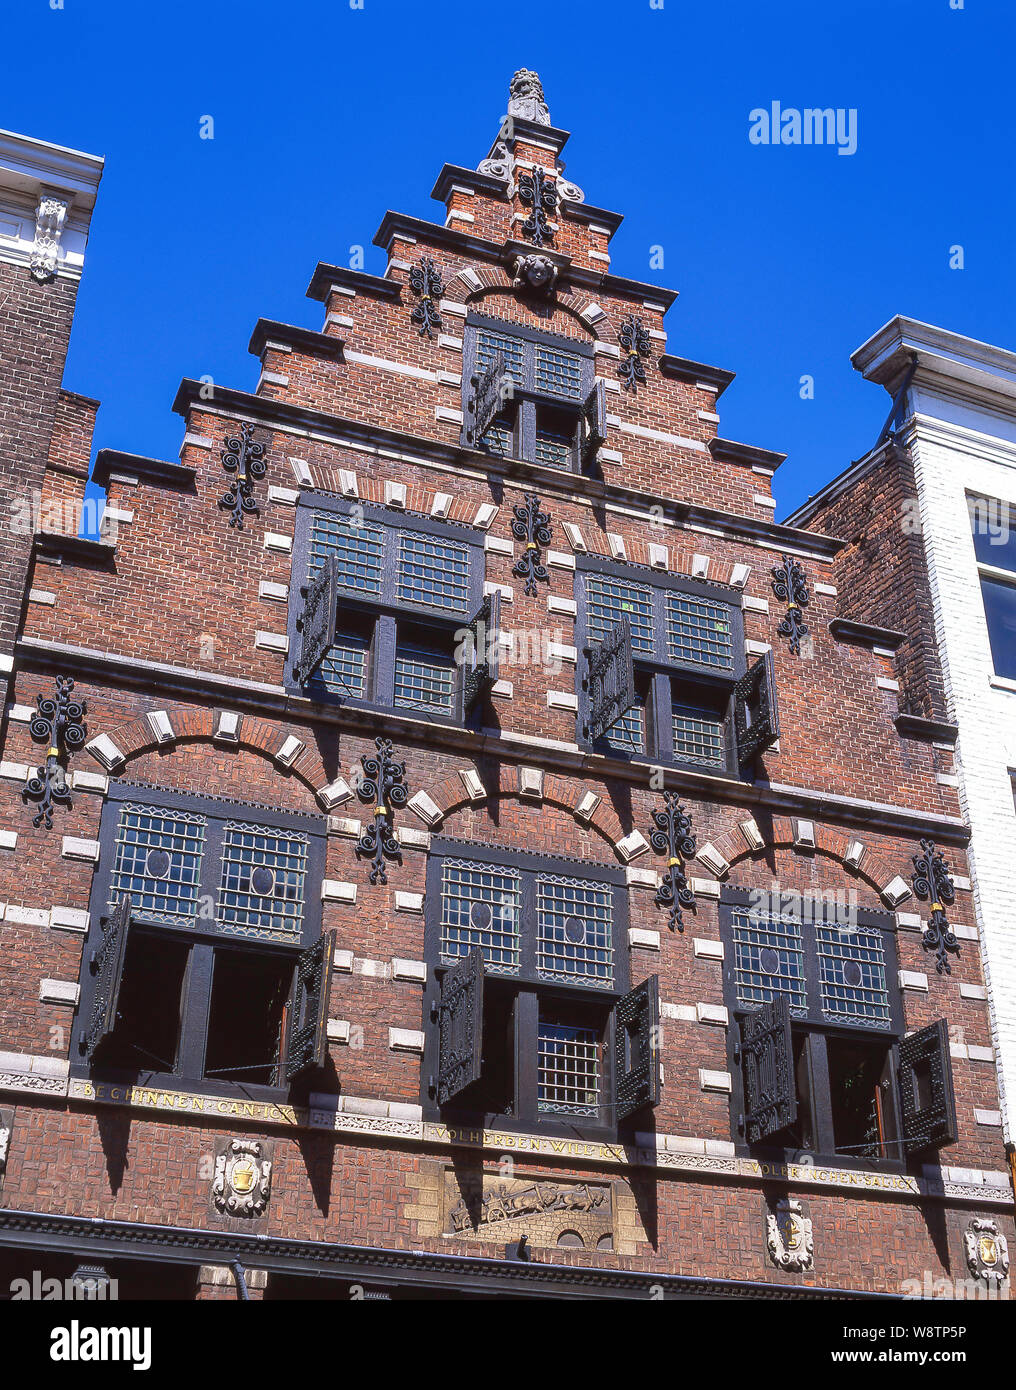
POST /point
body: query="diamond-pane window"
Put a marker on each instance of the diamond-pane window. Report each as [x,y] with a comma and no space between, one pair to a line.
[490,345]
[574,937]
[424,681]
[568,1068]
[853,975]
[358,545]
[698,737]
[432,571]
[158,862]
[609,600]
[481,905]
[768,960]
[558,373]
[263,877]
[699,631]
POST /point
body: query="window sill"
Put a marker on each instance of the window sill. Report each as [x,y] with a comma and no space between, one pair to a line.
[1002,683]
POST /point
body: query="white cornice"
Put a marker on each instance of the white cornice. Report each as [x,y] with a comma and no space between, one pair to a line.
[27,166]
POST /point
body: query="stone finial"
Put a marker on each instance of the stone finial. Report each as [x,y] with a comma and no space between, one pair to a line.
[526,98]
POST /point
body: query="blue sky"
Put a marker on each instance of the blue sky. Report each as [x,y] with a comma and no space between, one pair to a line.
[786,257]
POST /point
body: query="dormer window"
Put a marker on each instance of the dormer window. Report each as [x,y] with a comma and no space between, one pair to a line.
[527,395]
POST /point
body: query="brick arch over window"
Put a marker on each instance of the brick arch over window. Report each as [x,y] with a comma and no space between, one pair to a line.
[461,289]
[435,803]
[745,840]
[114,748]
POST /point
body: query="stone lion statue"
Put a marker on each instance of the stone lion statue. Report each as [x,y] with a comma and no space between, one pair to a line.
[526,100]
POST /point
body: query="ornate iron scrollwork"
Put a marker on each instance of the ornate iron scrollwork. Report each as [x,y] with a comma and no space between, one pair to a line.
[531,525]
[244,457]
[634,339]
[383,783]
[931,880]
[538,194]
[58,724]
[790,585]
[673,837]
[425,281]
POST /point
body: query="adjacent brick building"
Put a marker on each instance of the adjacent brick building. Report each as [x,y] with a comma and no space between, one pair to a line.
[485,862]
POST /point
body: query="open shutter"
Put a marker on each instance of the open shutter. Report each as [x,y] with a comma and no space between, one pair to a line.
[767,1071]
[756,718]
[593,423]
[927,1101]
[491,389]
[637,1049]
[317,619]
[460,1027]
[107,965]
[306,1045]
[610,680]
[481,657]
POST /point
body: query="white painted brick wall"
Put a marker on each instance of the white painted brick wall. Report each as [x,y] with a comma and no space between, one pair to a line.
[972,451]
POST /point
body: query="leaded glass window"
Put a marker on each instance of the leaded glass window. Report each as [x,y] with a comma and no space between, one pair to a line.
[554,447]
[358,544]
[557,373]
[610,599]
[158,861]
[490,345]
[574,936]
[424,681]
[432,571]
[853,975]
[499,437]
[699,631]
[698,737]
[481,905]
[344,670]
[629,732]
[768,960]
[568,1068]
[263,879]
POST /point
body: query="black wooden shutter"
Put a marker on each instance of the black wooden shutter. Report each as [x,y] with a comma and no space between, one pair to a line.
[491,389]
[593,424]
[317,619]
[610,680]
[637,1049]
[927,1101]
[767,1071]
[107,964]
[481,663]
[460,1027]
[756,717]
[307,1034]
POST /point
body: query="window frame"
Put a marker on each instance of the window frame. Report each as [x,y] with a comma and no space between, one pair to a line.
[529,989]
[1002,576]
[660,671]
[384,614]
[817,1033]
[201,938]
[528,399]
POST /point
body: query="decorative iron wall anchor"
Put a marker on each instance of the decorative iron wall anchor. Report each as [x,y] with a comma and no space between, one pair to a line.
[634,339]
[539,194]
[531,525]
[931,881]
[384,785]
[58,724]
[672,836]
[244,457]
[790,586]
[425,281]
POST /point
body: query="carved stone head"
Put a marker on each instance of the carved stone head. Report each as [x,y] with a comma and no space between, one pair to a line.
[534,272]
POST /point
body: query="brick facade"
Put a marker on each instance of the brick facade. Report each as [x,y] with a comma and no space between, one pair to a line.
[179,615]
